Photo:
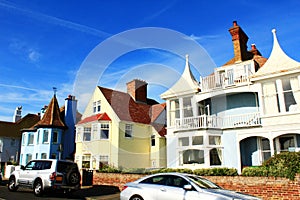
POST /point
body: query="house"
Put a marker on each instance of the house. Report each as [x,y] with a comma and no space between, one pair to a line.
[10,136]
[123,130]
[244,112]
[54,135]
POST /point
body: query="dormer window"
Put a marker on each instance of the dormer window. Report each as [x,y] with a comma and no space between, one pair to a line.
[97,106]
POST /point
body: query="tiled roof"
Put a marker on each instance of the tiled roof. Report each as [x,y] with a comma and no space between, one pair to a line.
[52,116]
[126,108]
[160,128]
[13,129]
[97,117]
[156,110]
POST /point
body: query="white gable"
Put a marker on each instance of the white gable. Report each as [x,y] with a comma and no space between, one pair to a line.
[187,84]
[278,62]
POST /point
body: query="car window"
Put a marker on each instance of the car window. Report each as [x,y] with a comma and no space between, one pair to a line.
[203,183]
[64,167]
[46,165]
[176,181]
[38,165]
[30,165]
[158,180]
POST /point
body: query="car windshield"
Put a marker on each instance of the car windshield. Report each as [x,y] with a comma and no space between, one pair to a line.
[203,183]
[64,167]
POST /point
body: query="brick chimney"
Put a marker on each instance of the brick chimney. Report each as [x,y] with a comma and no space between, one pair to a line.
[137,89]
[239,39]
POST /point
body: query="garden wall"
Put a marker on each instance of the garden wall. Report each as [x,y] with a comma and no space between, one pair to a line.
[264,187]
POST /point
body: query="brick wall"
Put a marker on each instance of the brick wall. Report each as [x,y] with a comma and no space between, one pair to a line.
[268,188]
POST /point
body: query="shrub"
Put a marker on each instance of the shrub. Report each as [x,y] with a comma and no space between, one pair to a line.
[216,172]
[286,164]
[109,169]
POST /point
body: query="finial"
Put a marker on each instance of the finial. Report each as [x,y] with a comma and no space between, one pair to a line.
[54,90]
[273,30]
[187,58]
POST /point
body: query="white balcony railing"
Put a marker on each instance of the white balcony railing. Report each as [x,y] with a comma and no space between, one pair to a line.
[216,81]
[213,121]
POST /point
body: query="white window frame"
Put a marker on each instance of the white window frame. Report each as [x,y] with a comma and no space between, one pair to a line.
[104,126]
[47,139]
[86,131]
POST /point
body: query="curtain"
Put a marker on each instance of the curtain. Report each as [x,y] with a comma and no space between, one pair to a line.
[270,99]
[219,150]
[296,90]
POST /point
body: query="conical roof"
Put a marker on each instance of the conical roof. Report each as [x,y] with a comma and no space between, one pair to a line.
[51,117]
[278,61]
[187,84]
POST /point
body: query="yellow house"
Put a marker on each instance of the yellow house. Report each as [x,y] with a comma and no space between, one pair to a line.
[122,130]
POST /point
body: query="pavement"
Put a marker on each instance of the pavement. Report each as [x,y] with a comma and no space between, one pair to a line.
[93,192]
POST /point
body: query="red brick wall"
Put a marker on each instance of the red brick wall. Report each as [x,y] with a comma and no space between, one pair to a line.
[268,188]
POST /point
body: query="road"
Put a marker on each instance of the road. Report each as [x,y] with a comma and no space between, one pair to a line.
[93,192]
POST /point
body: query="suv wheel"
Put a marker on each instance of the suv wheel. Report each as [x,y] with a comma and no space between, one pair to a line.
[12,184]
[38,188]
[74,178]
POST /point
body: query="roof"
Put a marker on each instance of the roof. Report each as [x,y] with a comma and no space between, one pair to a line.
[52,117]
[97,117]
[126,108]
[13,129]
[278,61]
[187,83]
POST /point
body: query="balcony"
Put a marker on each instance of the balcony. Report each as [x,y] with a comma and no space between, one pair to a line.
[213,121]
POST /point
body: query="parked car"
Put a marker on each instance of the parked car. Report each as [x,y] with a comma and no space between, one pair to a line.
[175,186]
[46,174]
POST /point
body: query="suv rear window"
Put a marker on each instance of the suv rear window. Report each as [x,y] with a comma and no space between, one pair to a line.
[64,167]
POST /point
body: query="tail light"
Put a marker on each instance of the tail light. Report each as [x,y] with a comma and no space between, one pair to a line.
[124,187]
[52,176]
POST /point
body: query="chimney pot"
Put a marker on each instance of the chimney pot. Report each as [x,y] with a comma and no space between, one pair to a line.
[253,46]
[234,23]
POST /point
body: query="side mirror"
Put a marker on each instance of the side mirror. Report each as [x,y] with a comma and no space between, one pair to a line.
[187,187]
[22,167]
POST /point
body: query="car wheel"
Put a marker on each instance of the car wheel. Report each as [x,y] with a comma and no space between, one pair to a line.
[136,197]
[38,188]
[12,184]
[74,178]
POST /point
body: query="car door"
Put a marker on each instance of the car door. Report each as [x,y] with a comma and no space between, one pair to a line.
[26,173]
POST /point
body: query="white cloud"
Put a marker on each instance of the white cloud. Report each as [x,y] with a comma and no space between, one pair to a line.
[33,55]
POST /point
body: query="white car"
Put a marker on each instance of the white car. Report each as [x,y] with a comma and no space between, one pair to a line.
[46,174]
[178,186]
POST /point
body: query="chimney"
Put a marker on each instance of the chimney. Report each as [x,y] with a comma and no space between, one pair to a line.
[137,89]
[239,39]
[18,114]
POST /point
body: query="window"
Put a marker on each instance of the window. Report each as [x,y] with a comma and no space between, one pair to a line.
[87,134]
[197,140]
[187,107]
[30,139]
[215,156]
[103,161]
[184,141]
[36,156]
[152,140]
[86,159]
[191,156]
[287,142]
[28,157]
[128,130]
[104,132]
[38,137]
[95,135]
[214,140]
[174,111]
[44,156]
[23,139]
[265,149]
[45,136]
[96,106]
[55,137]
[53,156]
[288,94]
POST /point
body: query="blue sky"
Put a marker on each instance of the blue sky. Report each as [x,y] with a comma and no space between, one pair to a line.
[43,44]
